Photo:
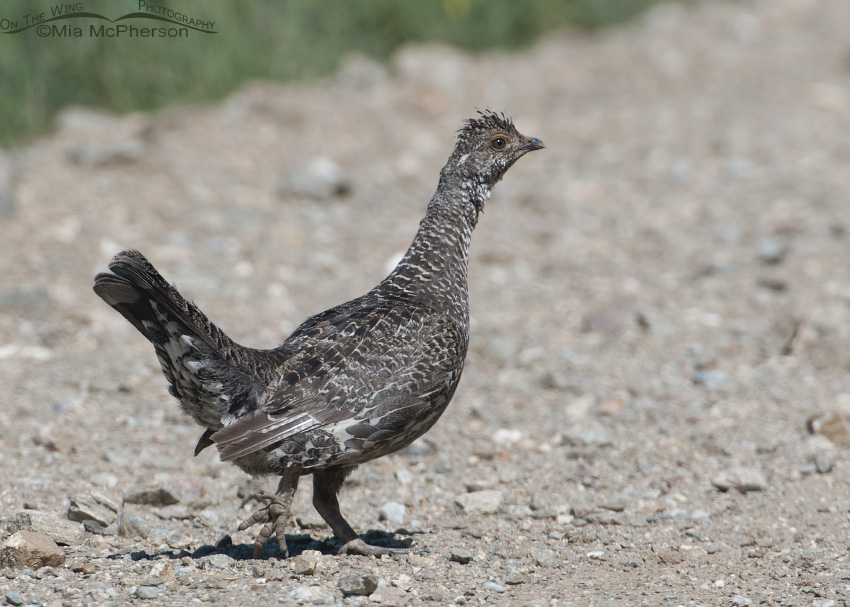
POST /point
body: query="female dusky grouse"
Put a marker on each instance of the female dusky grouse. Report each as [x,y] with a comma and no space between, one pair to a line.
[361,380]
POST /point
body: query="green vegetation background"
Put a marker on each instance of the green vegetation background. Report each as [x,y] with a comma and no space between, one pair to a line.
[271,39]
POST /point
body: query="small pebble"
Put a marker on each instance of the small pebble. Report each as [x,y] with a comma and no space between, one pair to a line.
[480,502]
[831,425]
[307,562]
[461,555]
[177,540]
[616,504]
[312,595]
[86,568]
[494,587]
[544,558]
[591,435]
[321,178]
[103,154]
[131,525]
[519,511]
[146,592]
[150,580]
[741,600]
[404,476]
[773,249]
[357,584]
[389,596]
[218,561]
[98,529]
[604,518]
[156,495]
[209,517]
[506,436]
[392,512]
[514,578]
[13,597]
[711,379]
[174,511]
[93,507]
[547,513]
[822,453]
[742,479]
[163,572]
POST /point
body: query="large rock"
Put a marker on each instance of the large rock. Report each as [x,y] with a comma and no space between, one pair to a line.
[62,531]
[93,507]
[28,550]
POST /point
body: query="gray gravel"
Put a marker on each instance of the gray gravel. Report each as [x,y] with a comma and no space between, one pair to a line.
[658,299]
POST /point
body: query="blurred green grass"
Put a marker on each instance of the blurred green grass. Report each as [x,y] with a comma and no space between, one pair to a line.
[271,39]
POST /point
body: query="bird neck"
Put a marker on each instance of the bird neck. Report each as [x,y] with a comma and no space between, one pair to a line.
[436,262]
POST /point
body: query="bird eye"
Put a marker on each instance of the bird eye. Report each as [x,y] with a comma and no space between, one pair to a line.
[498,142]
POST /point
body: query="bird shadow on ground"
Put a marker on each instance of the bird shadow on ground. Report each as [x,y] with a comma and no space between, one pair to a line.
[296,544]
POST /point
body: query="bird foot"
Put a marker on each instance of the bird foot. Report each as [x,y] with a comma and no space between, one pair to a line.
[358,546]
[275,515]
[257,496]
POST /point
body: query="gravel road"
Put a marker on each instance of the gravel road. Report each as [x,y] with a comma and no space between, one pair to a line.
[656,400]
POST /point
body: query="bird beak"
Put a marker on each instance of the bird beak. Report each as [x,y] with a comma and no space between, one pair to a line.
[534,144]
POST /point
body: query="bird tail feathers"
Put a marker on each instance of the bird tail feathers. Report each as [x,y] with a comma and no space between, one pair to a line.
[205,368]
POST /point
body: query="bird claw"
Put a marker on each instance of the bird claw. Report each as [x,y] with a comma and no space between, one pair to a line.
[275,515]
[358,546]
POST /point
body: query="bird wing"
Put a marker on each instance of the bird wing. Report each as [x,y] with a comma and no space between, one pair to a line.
[346,364]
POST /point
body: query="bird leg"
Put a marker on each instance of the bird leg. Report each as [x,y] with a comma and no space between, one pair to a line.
[275,514]
[326,485]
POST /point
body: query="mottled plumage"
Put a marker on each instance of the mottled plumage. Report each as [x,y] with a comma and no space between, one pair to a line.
[358,381]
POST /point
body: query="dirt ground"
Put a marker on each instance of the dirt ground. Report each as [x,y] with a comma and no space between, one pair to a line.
[660,301]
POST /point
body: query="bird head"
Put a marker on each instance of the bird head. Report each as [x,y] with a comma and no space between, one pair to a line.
[486,148]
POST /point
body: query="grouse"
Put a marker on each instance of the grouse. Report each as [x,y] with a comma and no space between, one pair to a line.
[356,382]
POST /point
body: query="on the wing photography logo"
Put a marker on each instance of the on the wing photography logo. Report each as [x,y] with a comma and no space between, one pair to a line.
[71,20]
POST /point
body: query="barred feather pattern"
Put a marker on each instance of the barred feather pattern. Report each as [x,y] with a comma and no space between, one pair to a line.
[356,382]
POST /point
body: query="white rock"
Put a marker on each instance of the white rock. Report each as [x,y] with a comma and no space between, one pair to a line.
[321,178]
[506,437]
[742,479]
[480,502]
[312,595]
[391,511]
[62,531]
[307,562]
[405,477]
